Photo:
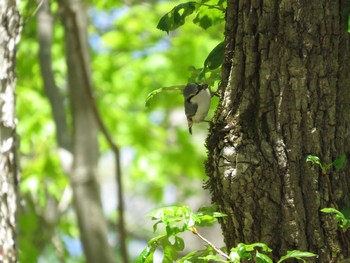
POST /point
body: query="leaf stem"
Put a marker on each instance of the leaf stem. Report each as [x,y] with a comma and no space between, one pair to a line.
[222,253]
[213,6]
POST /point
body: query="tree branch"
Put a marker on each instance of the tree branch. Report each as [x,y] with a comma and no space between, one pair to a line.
[45,29]
[218,250]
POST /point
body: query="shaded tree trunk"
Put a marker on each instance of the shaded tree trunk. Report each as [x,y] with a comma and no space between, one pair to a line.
[285,95]
[9,35]
[87,200]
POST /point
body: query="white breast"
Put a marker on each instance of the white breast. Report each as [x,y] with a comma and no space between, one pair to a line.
[202,99]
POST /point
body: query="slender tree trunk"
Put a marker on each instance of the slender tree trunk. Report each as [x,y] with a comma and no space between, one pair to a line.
[9,35]
[285,95]
[87,200]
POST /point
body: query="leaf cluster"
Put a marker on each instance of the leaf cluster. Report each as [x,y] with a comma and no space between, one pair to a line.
[338,163]
[342,220]
[208,13]
[178,219]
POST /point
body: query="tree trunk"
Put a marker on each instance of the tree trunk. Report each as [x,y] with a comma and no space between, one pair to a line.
[285,95]
[9,35]
[87,200]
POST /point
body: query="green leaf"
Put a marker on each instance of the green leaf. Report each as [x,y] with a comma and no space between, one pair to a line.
[212,257]
[215,57]
[340,161]
[176,219]
[331,210]
[176,17]
[263,246]
[313,159]
[200,256]
[206,220]
[145,256]
[242,251]
[235,257]
[297,254]
[209,14]
[343,222]
[262,258]
[207,215]
[179,243]
[210,210]
[151,95]
[173,230]
[170,253]
[346,212]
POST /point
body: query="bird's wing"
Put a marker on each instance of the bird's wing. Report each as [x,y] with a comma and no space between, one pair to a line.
[190,108]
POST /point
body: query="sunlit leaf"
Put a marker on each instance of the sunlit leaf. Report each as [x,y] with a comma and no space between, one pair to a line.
[146,256]
[263,246]
[313,159]
[297,254]
[262,258]
[343,222]
[212,257]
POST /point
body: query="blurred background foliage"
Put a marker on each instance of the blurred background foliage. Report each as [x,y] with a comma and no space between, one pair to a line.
[162,163]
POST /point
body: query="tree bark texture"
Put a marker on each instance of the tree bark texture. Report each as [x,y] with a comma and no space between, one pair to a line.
[9,35]
[92,224]
[285,95]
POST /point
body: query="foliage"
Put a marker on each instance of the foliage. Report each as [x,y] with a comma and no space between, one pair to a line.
[130,58]
[342,219]
[178,219]
[343,222]
[209,12]
[338,163]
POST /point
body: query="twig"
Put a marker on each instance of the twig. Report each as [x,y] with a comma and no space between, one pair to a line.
[30,16]
[37,8]
[104,130]
[222,253]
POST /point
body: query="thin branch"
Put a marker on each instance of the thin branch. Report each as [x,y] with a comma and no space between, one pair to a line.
[45,32]
[103,128]
[218,250]
[213,7]
[34,12]
[37,8]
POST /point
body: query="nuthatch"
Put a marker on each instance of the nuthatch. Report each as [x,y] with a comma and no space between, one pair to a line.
[197,103]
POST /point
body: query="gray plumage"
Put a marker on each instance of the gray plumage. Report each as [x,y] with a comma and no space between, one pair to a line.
[197,103]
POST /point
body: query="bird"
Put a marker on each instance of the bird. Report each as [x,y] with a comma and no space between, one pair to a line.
[197,100]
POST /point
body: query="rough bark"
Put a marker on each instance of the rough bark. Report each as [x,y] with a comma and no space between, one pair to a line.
[92,224]
[9,35]
[285,95]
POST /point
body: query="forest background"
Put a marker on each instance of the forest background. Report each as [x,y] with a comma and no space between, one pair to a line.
[161,163]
